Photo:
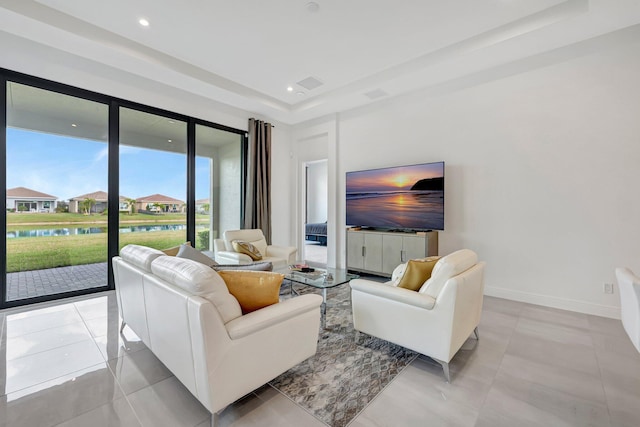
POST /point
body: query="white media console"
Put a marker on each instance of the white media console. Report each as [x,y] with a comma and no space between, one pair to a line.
[379,252]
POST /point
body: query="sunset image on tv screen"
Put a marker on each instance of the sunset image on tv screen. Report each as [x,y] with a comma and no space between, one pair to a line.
[403,197]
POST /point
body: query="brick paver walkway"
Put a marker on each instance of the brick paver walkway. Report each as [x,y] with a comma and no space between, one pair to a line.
[29,284]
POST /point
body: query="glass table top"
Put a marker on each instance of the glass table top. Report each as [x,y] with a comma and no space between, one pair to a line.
[319,278]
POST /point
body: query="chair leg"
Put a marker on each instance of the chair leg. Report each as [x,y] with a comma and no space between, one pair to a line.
[122,325]
[215,419]
[475,331]
[445,369]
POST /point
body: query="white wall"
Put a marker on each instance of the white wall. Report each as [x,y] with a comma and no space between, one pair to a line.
[317,191]
[541,172]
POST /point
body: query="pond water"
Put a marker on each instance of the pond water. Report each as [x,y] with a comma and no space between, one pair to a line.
[72,231]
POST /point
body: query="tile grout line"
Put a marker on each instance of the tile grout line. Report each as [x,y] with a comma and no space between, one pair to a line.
[493,380]
[106,362]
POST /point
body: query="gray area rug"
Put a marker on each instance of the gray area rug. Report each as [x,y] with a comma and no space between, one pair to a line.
[343,377]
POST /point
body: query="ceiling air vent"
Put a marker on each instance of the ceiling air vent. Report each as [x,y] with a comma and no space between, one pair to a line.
[310,83]
[376,93]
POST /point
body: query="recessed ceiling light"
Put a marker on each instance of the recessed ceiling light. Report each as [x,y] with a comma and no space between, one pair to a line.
[289,89]
[169,140]
[313,6]
[300,93]
[144,22]
[74,125]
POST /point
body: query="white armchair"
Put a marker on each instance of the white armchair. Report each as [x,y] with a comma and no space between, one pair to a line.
[279,256]
[436,320]
[629,286]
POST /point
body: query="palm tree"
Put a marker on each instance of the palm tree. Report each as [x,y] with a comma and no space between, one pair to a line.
[87,204]
[158,206]
[131,203]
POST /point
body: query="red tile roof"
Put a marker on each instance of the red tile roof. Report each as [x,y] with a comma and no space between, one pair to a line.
[27,193]
[158,198]
[98,196]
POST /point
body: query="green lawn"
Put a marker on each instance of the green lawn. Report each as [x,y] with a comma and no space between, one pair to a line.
[36,253]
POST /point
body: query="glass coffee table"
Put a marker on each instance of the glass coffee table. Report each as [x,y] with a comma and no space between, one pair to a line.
[320,278]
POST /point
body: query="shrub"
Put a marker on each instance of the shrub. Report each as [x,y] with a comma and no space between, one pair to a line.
[203,239]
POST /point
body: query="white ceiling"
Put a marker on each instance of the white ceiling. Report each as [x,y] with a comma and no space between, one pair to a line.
[245,53]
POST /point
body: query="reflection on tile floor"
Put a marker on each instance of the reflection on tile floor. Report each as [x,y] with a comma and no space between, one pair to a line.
[68,365]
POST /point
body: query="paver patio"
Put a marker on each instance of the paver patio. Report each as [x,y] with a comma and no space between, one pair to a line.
[29,284]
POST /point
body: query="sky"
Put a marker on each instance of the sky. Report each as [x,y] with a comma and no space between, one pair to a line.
[395,178]
[68,167]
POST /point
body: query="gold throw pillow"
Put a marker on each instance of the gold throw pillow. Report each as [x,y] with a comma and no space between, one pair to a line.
[417,272]
[247,249]
[253,289]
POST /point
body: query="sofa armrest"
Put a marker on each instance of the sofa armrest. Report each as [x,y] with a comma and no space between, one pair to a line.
[226,257]
[401,295]
[283,252]
[271,315]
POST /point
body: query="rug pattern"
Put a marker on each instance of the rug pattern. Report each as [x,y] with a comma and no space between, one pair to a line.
[343,377]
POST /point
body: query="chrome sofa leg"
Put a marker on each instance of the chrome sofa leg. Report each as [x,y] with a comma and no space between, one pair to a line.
[215,419]
[122,325]
[445,369]
[475,331]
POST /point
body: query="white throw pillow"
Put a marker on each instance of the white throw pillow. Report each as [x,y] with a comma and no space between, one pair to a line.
[397,274]
[188,252]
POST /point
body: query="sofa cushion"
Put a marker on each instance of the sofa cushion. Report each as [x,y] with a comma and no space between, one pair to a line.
[187,252]
[253,289]
[247,248]
[397,274]
[198,279]
[140,256]
[173,251]
[417,272]
[256,266]
[446,268]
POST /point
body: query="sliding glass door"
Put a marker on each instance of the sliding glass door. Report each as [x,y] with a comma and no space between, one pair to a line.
[218,176]
[56,193]
[153,179]
[84,174]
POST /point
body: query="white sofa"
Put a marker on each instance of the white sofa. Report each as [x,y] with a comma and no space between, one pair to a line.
[629,287]
[183,312]
[279,256]
[434,321]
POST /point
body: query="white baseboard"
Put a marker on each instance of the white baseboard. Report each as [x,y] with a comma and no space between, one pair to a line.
[554,302]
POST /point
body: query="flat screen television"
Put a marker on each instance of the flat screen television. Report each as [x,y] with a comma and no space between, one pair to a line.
[403,198]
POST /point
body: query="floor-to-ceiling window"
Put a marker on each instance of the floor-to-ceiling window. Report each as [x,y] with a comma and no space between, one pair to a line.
[153,179]
[218,183]
[56,154]
[83,174]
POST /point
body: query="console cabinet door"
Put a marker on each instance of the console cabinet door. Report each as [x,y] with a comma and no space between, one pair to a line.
[392,252]
[373,252]
[414,247]
[355,250]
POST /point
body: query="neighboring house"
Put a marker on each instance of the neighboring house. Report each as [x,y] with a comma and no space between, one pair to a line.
[203,206]
[167,204]
[123,204]
[21,199]
[101,202]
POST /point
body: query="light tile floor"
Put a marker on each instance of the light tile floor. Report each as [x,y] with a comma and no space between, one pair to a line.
[67,365]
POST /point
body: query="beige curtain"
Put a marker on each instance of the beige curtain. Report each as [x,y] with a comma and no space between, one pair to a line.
[257,211]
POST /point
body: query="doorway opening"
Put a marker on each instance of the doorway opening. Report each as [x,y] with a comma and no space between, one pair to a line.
[316,198]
